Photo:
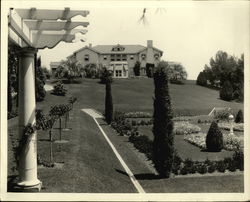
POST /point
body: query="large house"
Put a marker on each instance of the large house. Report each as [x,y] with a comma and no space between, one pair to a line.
[120,59]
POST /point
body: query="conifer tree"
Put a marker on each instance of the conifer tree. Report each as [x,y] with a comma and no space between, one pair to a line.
[108,101]
[163,144]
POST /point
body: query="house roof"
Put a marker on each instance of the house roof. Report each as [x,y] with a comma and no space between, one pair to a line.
[107,49]
[55,63]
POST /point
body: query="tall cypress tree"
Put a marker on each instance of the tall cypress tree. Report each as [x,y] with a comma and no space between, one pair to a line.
[163,145]
[108,101]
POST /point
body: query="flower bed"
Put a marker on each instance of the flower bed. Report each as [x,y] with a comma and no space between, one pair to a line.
[184,128]
[236,126]
[137,115]
[198,139]
[230,142]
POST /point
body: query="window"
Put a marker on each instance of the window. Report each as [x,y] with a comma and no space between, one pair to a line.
[105,57]
[86,57]
[118,73]
[131,57]
[124,57]
[143,56]
[156,56]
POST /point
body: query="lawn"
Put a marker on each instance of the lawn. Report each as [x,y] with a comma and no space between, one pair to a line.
[137,95]
[88,163]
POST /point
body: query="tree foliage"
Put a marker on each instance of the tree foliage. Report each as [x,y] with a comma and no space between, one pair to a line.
[163,144]
[69,69]
[226,92]
[105,76]
[39,80]
[222,68]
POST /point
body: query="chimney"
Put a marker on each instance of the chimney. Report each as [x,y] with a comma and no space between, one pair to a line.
[149,43]
[90,45]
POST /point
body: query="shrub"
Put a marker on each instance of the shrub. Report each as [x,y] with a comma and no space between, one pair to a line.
[201,79]
[202,168]
[137,68]
[176,163]
[238,158]
[211,168]
[184,171]
[221,166]
[214,138]
[226,92]
[143,144]
[222,114]
[40,91]
[163,145]
[59,90]
[105,76]
[239,117]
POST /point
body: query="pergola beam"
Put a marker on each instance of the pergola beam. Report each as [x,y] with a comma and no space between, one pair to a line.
[41,14]
[53,25]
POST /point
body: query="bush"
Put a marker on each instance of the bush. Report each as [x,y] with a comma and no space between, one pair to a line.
[40,91]
[59,89]
[222,114]
[143,144]
[105,76]
[137,68]
[202,168]
[201,79]
[214,138]
[239,117]
[211,168]
[238,158]
[226,92]
[221,166]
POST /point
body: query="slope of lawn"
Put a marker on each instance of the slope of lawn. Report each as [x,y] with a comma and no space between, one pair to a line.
[137,95]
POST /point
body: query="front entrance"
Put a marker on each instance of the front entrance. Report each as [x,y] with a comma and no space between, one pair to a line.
[119,69]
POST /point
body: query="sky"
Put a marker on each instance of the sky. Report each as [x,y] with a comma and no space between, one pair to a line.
[188,32]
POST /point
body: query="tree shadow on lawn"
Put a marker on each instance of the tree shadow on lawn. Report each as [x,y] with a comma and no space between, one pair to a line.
[142,176]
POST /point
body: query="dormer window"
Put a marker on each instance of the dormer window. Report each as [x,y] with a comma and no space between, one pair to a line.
[143,56]
[118,48]
[86,57]
[156,56]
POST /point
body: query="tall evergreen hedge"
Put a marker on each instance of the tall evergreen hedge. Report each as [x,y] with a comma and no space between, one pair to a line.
[108,102]
[163,144]
[239,117]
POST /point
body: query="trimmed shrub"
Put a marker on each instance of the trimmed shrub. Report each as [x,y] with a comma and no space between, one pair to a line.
[59,90]
[238,158]
[239,117]
[137,68]
[108,103]
[211,168]
[163,144]
[226,92]
[214,138]
[202,168]
[221,166]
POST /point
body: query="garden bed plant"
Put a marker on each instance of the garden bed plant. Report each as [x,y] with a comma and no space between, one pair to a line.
[180,167]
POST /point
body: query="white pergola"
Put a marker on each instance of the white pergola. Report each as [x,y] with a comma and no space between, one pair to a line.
[33,29]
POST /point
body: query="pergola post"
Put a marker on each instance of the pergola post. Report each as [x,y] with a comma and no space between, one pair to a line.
[27,167]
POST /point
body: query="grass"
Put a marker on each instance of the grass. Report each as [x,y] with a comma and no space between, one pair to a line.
[137,95]
[89,165]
